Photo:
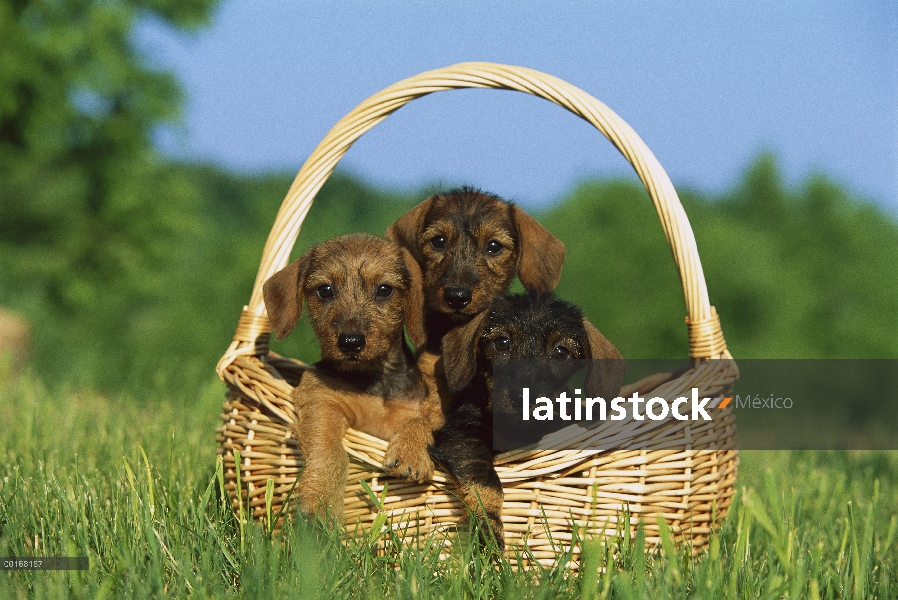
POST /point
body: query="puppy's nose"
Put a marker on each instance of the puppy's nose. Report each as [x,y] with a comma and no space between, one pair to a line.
[457,297]
[352,342]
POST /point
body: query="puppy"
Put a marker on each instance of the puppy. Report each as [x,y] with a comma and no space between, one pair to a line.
[469,245]
[361,291]
[524,326]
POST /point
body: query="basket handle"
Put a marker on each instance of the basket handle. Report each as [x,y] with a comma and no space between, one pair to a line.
[705,337]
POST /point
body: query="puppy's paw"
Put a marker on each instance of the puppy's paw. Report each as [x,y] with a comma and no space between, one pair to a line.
[319,498]
[407,455]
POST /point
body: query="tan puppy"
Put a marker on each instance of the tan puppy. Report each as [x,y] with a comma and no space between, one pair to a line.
[361,291]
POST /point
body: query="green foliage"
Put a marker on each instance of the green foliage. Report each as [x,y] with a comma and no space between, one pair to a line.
[806,273]
[134,487]
[86,203]
[89,213]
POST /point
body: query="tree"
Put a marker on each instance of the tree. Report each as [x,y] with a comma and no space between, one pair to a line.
[87,206]
[81,186]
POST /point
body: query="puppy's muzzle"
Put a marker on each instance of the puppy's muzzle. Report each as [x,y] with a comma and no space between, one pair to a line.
[352,342]
[457,297]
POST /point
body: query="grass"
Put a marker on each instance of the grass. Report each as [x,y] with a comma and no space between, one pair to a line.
[133,486]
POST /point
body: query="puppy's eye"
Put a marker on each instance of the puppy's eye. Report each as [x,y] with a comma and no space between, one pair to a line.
[383,291]
[438,242]
[494,248]
[502,343]
[561,352]
[325,291]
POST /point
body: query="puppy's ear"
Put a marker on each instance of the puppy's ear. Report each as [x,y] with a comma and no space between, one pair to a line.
[540,255]
[414,303]
[283,296]
[406,231]
[605,372]
[460,352]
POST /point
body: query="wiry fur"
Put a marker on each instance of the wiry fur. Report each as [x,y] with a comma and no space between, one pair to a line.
[471,225]
[535,325]
[376,388]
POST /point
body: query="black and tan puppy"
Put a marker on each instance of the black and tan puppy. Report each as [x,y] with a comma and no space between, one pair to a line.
[537,327]
[361,291]
[469,245]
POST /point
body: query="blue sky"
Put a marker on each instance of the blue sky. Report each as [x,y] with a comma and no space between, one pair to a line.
[707,85]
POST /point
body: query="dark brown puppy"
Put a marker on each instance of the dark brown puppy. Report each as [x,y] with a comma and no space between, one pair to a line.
[523,326]
[361,291]
[469,245]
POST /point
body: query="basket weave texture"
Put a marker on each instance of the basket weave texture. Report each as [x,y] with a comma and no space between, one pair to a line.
[547,491]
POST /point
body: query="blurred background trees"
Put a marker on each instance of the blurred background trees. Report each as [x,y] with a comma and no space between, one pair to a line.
[89,211]
[133,268]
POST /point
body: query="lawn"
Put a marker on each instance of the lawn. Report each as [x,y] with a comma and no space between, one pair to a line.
[133,485]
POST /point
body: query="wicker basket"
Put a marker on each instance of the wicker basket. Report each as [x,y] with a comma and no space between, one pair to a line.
[546,491]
